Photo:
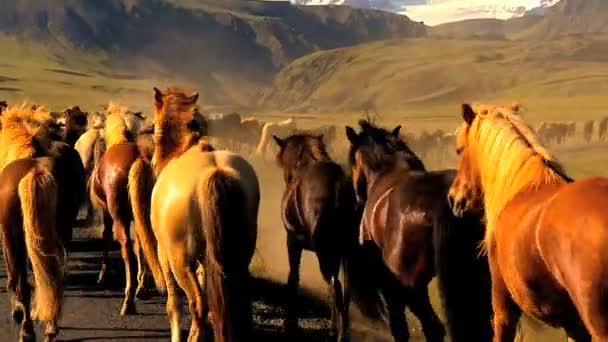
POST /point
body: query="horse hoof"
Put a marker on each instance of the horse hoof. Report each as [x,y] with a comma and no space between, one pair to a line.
[141,294]
[27,334]
[128,309]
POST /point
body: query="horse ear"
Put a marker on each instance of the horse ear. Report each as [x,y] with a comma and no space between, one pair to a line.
[158,97]
[279,141]
[352,136]
[467,113]
[192,99]
[396,131]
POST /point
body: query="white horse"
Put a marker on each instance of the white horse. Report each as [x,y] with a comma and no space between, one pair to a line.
[280,129]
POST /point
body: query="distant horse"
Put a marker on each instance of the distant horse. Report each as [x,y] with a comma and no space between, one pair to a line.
[204,215]
[119,187]
[546,235]
[408,235]
[602,129]
[41,188]
[588,130]
[319,213]
[279,129]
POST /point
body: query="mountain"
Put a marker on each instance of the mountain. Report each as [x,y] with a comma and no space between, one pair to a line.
[571,17]
[227,48]
[566,17]
[428,73]
[435,12]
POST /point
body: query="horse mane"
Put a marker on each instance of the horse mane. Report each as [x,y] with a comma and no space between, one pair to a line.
[510,159]
[382,149]
[173,133]
[25,132]
[307,145]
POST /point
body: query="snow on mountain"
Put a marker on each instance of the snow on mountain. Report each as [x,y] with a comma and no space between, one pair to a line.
[435,12]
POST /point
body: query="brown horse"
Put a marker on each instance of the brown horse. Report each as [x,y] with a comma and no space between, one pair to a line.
[120,186]
[39,193]
[409,235]
[204,214]
[546,234]
[319,215]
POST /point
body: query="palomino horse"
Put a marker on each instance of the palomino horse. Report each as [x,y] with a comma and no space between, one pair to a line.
[41,189]
[204,212]
[546,234]
[409,235]
[90,147]
[120,186]
[318,211]
[279,129]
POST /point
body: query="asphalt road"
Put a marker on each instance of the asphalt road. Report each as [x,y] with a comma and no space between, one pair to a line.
[91,311]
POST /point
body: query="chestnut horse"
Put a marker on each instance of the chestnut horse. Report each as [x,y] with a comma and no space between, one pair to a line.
[40,190]
[120,185]
[408,235]
[546,234]
[204,215]
[319,214]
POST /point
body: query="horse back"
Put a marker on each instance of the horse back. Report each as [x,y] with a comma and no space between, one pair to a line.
[319,205]
[400,214]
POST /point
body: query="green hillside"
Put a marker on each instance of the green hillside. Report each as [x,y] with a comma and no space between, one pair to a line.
[438,73]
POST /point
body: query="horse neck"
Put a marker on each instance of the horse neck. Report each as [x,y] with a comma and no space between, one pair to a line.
[502,184]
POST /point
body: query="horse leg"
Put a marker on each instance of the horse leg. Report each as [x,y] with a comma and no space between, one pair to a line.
[107,244]
[294,250]
[15,258]
[506,311]
[396,312]
[126,251]
[51,331]
[394,295]
[186,278]
[141,270]
[420,305]
[173,308]
[341,322]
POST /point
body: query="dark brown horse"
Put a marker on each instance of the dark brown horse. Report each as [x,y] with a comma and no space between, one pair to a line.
[409,235]
[120,186]
[40,191]
[319,214]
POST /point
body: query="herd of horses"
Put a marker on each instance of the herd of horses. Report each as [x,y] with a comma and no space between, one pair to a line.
[382,227]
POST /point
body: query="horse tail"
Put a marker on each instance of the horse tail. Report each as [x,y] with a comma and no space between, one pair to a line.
[223,207]
[463,276]
[96,201]
[38,195]
[141,182]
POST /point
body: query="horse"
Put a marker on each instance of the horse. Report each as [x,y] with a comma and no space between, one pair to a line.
[407,236]
[546,232]
[40,190]
[119,187]
[319,214]
[588,130]
[602,129]
[204,213]
[280,129]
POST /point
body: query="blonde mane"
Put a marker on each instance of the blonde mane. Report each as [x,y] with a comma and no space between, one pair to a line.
[116,130]
[509,157]
[24,132]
